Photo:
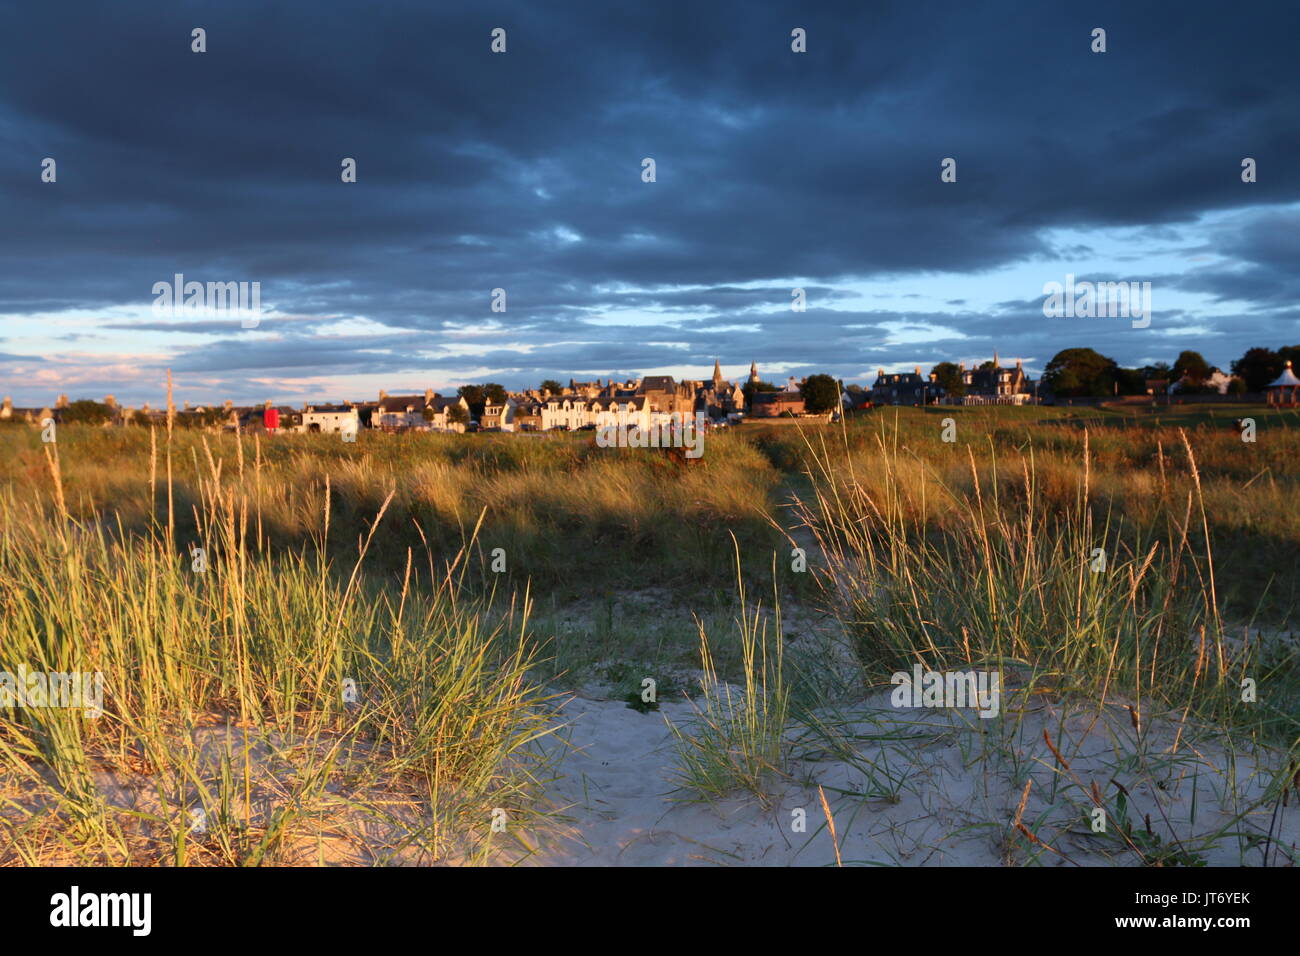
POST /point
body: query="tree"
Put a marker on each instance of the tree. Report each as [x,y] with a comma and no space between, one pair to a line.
[1131,381]
[821,393]
[552,387]
[473,394]
[1075,373]
[1191,366]
[495,393]
[86,412]
[1258,367]
[948,377]
[201,419]
[1159,370]
[457,414]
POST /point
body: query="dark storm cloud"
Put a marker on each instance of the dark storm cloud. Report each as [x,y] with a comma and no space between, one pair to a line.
[478,171]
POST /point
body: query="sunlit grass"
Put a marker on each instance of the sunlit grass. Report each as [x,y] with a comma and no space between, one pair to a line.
[305,711]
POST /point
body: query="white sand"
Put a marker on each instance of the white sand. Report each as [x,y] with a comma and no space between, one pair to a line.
[905,787]
[955,796]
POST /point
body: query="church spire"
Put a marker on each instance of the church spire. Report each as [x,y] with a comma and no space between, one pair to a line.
[717,374]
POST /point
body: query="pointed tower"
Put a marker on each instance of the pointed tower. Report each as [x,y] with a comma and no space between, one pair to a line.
[753,371]
[717,376]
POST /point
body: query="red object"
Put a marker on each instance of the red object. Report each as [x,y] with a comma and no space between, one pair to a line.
[271,419]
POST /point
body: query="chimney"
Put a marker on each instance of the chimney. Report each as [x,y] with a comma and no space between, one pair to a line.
[918,371]
[1019,364]
[110,401]
[186,405]
[227,404]
[429,396]
[995,360]
[382,395]
[8,403]
[62,401]
[961,366]
[880,372]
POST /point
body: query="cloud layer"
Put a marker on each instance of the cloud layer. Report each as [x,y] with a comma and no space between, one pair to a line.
[522,171]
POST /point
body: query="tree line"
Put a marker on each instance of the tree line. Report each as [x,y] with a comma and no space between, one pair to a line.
[1083,372]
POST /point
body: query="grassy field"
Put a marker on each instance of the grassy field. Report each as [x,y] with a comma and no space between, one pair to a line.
[570,516]
[366,666]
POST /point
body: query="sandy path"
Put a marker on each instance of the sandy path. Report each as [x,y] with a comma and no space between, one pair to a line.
[943,796]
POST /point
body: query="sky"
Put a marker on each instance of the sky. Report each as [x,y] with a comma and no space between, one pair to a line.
[523,171]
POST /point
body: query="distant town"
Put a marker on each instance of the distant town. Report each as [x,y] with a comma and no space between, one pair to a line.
[1074,376]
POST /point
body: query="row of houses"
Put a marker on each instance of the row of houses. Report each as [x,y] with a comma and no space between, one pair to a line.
[652,400]
[989,384]
[390,413]
[995,384]
[649,401]
[429,411]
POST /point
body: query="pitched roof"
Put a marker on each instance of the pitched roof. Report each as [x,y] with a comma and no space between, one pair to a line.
[769,398]
[638,402]
[657,383]
[1285,380]
[400,403]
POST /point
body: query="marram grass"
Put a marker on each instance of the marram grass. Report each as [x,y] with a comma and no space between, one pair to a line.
[265,709]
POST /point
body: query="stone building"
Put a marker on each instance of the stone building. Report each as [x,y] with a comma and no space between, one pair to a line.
[994,384]
[903,388]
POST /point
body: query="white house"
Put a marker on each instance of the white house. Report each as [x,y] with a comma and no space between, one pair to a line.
[564,411]
[499,415]
[1217,381]
[440,420]
[329,418]
[624,412]
[571,412]
[398,412]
